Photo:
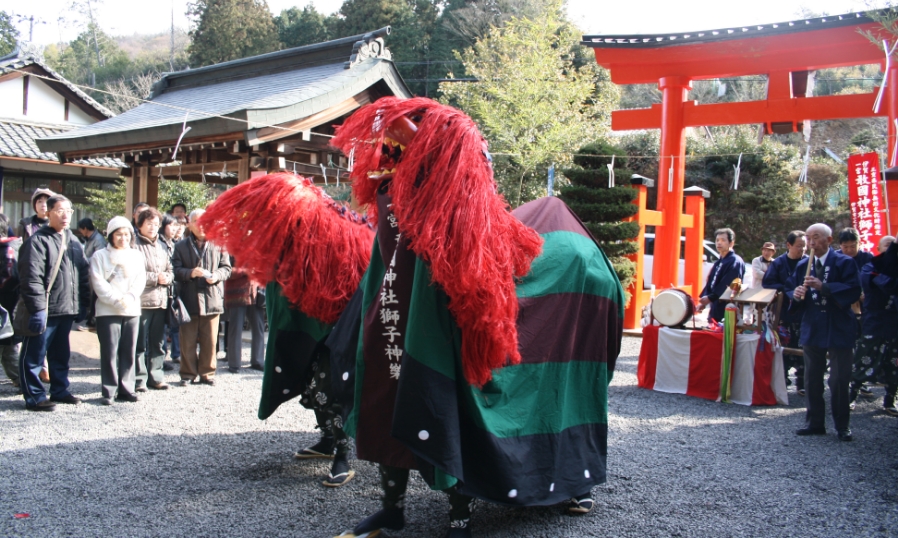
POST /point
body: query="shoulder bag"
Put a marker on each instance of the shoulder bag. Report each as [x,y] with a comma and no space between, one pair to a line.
[20,315]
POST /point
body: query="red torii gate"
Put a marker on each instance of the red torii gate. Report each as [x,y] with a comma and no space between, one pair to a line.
[785,52]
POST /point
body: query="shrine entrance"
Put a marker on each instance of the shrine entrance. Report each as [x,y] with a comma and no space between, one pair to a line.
[785,53]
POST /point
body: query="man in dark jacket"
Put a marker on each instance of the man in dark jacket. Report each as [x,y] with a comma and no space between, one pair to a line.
[824,298]
[777,278]
[51,315]
[200,268]
[9,295]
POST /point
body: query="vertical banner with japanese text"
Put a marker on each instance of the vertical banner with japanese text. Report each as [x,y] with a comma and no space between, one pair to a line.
[865,197]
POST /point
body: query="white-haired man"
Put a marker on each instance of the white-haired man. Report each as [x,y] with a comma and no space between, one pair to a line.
[824,297]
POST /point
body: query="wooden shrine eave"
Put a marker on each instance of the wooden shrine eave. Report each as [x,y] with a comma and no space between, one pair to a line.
[837,46]
[790,110]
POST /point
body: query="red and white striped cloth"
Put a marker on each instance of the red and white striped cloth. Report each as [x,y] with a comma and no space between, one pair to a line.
[689,362]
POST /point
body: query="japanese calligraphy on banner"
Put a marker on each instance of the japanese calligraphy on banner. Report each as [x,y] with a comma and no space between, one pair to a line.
[865,196]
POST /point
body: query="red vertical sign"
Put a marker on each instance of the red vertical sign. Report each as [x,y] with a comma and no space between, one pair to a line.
[865,196]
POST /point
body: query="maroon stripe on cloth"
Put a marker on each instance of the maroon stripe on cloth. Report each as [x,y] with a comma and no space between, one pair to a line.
[550,215]
[564,327]
[705,355]
[648,358]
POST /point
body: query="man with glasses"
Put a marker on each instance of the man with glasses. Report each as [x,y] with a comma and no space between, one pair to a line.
[52,311]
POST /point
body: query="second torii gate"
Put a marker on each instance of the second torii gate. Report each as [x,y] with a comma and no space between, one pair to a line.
[785,52]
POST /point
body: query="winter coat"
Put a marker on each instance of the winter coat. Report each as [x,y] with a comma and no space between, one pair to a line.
[154,295]
[71,290]
[28,225]
[95,242]
[239,291]
[118,278]
[200,298]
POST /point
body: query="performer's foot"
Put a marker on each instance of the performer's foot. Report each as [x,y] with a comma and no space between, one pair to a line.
[866,392]
[388,518]
[581,504]
[322,449]
[340,472]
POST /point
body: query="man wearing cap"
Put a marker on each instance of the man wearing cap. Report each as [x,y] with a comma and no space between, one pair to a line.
[824,295]
[761,264]
[28,225]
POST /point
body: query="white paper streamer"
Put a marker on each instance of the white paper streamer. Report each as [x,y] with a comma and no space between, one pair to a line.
[611,173]
[184,129]
[670,177]
[736,170]
[885,74]
[803,176]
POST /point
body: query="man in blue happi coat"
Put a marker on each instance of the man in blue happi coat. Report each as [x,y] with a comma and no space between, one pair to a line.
[777,278]
[824,299]
[728,268]
[876,353]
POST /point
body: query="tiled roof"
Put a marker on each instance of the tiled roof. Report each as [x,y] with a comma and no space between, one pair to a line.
[723,34]
[20,58]
[17,140]
[245,94]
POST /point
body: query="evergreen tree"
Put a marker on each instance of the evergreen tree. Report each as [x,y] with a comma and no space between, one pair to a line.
[108,203]
[412,22]
[531,101]
[602,208]
[9,36]
[230,29]
[303,27]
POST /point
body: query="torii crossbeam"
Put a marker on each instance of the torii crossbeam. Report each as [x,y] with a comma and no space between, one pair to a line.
[785,52]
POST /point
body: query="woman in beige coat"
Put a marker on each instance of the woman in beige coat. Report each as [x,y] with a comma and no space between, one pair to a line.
[117,276]
[153,302]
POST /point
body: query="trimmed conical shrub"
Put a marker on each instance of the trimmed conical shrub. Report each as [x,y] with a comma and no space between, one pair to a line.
[602,208]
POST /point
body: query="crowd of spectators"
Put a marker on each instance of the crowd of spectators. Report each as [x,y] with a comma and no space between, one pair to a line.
[151,288]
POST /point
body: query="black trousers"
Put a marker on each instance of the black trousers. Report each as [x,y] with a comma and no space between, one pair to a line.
[841,361]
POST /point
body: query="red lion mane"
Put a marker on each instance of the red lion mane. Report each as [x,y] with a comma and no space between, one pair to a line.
[282,228]
[446,202]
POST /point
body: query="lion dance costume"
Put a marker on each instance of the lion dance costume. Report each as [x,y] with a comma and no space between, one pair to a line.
[488,338]
[310,252]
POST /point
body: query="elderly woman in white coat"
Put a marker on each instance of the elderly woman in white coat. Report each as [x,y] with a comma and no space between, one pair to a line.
[118,277]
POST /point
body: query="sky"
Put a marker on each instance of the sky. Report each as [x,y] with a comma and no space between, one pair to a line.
[54,22]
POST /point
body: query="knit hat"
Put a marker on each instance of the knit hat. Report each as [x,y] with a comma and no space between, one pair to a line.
[115,223]
[38,193]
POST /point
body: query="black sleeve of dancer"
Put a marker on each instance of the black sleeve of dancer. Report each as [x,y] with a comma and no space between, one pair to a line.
[343,343]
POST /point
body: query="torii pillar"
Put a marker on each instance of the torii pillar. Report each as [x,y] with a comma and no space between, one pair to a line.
[671,175]
[784,52]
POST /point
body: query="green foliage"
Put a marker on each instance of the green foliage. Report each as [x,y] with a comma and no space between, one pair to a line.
[413,23]
[766,184]
[92,58]
[9,36]
[823,179]
[230,29]
[602,208]
[531,102]
[303,27]
[108,203]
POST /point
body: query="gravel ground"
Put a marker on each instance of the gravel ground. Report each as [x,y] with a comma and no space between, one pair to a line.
[196,461]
